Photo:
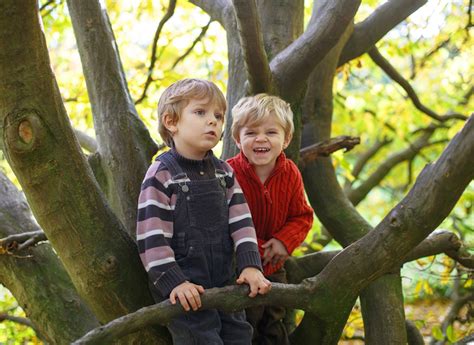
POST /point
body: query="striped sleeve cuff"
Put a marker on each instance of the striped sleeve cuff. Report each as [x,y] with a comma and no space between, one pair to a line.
[248,259]
[169,279]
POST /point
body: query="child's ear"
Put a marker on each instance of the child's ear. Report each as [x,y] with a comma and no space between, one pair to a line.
[287,141]
[170,123]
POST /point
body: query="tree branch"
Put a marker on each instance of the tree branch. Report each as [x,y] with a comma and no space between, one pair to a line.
[325,148]
[125,145]
[86,141]
[190,49]
[217,9]
[251,38]
[18,242]
[393,73]
[292,66]
[169,13]
[377,25]
[356,195]
[364,157]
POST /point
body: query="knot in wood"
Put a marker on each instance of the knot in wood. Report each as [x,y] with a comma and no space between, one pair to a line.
[110,264]
[23,130]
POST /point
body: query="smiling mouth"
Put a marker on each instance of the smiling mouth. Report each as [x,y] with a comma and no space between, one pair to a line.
[261,150]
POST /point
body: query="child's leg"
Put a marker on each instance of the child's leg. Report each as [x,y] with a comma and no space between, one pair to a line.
[235,329]
[196,328]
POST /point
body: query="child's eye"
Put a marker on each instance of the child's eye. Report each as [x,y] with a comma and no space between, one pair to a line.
[219,116]
[249,133]
[199,112]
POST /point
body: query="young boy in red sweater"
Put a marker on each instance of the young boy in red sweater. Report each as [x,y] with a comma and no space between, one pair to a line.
[272,184]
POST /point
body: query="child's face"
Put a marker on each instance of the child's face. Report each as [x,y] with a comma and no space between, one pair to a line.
[198,130]
[262,143]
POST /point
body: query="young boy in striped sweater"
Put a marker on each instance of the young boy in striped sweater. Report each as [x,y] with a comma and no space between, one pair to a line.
[192,217]
[272,184]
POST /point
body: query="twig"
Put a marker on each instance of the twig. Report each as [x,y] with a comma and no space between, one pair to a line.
[395,75]
[169,13]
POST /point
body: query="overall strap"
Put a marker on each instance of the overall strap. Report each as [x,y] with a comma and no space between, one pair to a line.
[171,163]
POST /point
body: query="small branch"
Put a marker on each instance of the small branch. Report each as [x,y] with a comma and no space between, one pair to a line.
[86,141]
[21,241]
[21,321]
[325,148]
[425,58]
[356,195]
[169,13]
[377,25]
[367,155]
[453,314]
[251,39]
[393,73]
[190,49]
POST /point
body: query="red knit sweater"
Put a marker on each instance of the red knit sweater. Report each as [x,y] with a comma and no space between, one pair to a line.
[278,207]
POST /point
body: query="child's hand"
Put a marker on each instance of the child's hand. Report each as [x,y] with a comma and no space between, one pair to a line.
[188,294]
[275,251]
[257,282]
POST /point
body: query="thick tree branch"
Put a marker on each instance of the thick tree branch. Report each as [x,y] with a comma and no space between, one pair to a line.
[125,145]
[414,335]
[357,194]
[377,25]
[325,148]
[397,77]
[292,66]
[251,38]
[217,9]
[169,13]
[229,298]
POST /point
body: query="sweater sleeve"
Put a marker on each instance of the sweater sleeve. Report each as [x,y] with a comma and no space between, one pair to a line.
[300,217]
[241,226]
[155,229]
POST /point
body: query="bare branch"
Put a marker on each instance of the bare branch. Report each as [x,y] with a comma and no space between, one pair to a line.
[86,141]
[425,58]
[393,73]
[251,38]
[190,49]
[356,195]
[367,155]
[325,148]
[17,242]
[377,25]
[292,66]
[169,13]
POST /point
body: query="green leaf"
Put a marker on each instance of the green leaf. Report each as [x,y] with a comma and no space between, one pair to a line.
[437,333]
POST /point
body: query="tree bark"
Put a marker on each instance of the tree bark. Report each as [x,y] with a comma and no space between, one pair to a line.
[124,144]
[40,146]
[55,309]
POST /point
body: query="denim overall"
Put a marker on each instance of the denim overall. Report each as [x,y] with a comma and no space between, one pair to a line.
[203,250]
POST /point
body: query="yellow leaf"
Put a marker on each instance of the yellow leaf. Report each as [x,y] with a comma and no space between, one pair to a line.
[418,287]
[468,283]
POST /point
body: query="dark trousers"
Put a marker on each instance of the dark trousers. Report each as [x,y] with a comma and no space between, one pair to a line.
[210,327]
[267,321]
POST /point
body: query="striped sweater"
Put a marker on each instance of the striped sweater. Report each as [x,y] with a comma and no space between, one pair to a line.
[156,206]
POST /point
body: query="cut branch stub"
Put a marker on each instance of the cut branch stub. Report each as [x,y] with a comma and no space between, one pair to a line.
[24,130]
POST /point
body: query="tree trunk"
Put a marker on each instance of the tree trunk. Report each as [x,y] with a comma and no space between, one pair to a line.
[98,254]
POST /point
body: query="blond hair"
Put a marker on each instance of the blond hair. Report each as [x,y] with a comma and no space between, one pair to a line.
[254,110]
[177,96]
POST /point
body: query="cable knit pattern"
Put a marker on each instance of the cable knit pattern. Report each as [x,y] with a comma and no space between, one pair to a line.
[279,207]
